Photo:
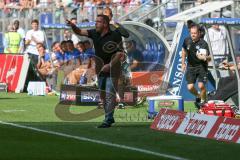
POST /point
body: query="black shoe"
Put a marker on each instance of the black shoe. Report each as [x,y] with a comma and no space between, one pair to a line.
[104,125]
[198,100]
[199,105]
[111,121]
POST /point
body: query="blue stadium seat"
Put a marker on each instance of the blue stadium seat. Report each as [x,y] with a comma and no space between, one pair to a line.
[161,53]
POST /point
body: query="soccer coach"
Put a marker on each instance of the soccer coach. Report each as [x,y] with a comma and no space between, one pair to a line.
[107,58]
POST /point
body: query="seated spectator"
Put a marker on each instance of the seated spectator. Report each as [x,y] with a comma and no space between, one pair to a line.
[89,48]
[58,59]
[48,65]
[229,66]
[135,57]
[86,70]
[227,86]
[44,66]
[64,51]
[71,58]
[72,55]
[83,56]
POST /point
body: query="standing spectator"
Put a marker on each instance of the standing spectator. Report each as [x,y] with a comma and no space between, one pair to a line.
[197,64]
[12,41]
[68,35]
[20,30]
[107,62]
[33,37]
[88,7]
[218,39]
[115,26]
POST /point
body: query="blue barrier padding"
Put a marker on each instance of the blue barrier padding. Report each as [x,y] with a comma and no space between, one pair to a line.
[221,21]
[64,26]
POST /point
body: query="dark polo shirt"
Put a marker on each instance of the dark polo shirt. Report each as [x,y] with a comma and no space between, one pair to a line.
[191,48]
[105,48]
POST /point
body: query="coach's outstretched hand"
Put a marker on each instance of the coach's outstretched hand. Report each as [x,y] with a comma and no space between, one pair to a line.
[69,23]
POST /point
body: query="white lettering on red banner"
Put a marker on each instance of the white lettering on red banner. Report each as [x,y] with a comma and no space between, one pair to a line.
[226,131]
[197,125]
[167,122]
[147,88]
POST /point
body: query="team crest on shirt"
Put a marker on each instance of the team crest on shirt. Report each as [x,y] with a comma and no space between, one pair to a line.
[197,47]
[110,47]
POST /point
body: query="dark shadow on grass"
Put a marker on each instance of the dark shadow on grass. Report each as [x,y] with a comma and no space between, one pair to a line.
[131,125]
[3,98]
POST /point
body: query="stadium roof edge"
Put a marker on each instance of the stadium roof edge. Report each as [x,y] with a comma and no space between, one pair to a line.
[198,11]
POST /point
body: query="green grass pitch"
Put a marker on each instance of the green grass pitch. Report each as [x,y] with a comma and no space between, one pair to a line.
[44,135]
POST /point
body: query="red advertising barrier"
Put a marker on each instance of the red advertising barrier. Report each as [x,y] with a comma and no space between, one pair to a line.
[147,78]
[11,70]
[200,125]
[168,120]
[147,83]
[226,129]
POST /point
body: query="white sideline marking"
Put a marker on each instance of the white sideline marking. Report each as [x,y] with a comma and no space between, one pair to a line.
[95,141]
[13,110]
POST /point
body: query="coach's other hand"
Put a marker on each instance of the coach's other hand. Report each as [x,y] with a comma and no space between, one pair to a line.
[106,68]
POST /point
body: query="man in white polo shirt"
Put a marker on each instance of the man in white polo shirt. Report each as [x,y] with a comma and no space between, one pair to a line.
[33,37]
[218,38]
